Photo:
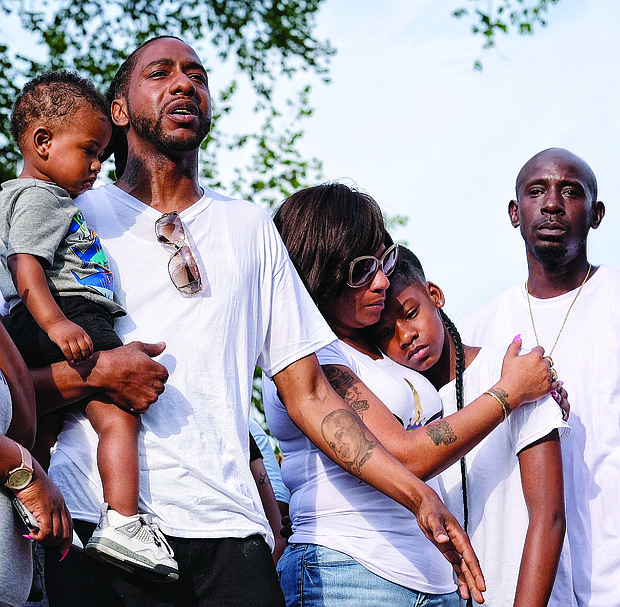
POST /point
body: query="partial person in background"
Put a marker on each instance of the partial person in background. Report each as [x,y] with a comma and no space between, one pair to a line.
[23,478]
[273,492]
[572,309]
[352,545]
[283,495]
[508,492]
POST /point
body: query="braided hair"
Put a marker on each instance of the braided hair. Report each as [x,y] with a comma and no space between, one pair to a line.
[409,271]
[460,369]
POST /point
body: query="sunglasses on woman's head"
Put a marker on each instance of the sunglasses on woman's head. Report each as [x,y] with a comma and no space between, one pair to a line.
[363,269]
[182,265]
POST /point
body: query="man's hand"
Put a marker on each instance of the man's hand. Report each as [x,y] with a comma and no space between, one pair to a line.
[129,376]
[443,530]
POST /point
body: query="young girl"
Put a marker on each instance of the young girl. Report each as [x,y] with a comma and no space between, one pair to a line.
[508,490]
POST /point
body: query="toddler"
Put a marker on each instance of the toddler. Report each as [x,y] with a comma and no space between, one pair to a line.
[56,280]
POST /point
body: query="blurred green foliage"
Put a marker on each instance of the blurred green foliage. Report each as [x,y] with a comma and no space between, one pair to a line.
[490,18]
[266,44]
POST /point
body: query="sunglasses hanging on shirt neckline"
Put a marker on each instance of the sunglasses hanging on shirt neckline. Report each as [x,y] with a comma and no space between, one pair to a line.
[182,266]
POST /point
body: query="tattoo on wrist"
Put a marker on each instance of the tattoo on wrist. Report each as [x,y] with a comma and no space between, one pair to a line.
[441,433]
[343,384]
[347,437]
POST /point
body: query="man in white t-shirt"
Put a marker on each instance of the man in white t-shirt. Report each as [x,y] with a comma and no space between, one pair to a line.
[572,309]
[211,277]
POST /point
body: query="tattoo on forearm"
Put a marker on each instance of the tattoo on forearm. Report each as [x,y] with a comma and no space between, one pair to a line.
[347,437]
[441,432]
[262,479]
[343,383]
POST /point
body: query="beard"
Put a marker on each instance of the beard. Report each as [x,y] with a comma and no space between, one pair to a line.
[550,254]
[153,132]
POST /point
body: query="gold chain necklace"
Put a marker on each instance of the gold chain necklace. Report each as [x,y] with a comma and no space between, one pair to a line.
[554,374]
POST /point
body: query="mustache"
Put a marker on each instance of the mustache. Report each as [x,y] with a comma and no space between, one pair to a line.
[547,222]
[195,101]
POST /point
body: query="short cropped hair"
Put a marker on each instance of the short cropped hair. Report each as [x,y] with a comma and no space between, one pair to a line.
[324,228]
[119,87]
[408,270]
[51,97]
[589,176]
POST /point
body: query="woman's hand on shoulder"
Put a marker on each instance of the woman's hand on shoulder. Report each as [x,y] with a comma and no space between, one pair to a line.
[525,377]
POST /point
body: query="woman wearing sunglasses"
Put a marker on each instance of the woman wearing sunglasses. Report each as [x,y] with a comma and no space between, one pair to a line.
[351,545]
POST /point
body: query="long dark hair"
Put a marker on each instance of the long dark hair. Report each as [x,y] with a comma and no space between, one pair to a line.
[324,228]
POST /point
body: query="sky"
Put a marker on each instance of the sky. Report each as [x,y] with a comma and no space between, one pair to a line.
[408,120]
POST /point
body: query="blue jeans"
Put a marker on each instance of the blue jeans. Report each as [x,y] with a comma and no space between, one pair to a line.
[315,576]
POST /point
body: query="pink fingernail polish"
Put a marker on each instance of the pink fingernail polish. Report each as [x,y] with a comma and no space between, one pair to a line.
[517,337]
[62,558]
[554,393]
[27,537]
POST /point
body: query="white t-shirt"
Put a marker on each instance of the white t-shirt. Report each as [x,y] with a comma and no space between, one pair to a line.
[194,444]
[333,508]
[498,517]
[587,359]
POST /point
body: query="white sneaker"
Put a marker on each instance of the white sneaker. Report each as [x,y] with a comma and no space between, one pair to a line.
[129,542]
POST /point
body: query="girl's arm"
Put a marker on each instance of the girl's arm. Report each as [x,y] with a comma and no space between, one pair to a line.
[543,488]
[270,505]
[429,450]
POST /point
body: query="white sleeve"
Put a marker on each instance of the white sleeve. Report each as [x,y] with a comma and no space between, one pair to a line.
[533,421]
[296,327]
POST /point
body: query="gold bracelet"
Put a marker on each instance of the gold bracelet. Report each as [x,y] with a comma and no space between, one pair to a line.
[500,396]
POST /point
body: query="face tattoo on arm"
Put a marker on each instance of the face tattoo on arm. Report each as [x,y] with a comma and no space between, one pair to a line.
[346,435]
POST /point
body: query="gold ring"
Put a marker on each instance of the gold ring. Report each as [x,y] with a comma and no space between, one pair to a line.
[549,359]
[554,374]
